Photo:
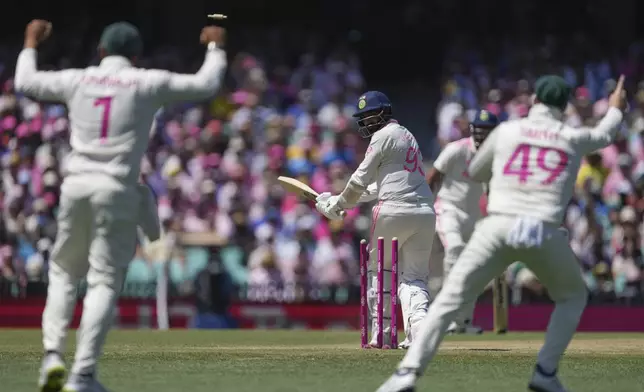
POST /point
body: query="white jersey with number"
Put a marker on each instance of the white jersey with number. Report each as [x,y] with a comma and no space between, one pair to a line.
[533,162]
[458,191]
[394,163]
[112,106]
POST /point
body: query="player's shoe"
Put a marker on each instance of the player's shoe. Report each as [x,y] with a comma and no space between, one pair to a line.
[464,329]
[83,383]
[403,380]
[544,382]
[52,373]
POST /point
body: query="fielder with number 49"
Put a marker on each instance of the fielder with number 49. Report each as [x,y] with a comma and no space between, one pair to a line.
[458,202]
[111,109]
[392,172]
[531,165]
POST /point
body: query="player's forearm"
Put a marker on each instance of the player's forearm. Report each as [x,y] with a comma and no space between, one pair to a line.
[606,131]
[351,194]
[434,180]
[205,82]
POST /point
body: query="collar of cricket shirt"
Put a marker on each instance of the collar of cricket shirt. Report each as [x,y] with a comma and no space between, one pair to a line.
[115,62]
[541,110]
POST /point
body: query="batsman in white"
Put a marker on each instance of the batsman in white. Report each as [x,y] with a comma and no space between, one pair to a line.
[458,202]
[531,165]
[111,108]
[392,171]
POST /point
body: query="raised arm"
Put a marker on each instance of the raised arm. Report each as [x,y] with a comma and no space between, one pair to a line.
[204,83]
[41,85]
[604,133]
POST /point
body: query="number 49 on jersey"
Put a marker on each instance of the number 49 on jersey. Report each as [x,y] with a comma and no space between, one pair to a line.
[527,161]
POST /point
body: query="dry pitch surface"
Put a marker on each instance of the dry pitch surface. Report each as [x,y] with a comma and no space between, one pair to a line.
[293,361]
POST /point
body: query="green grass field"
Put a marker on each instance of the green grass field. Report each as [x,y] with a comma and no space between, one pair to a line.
[294,361]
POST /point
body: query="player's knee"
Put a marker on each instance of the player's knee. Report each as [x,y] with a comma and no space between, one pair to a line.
[579,297]
[575,292]
[110,277]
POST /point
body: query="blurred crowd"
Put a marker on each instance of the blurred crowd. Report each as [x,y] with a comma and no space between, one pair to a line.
[213,166]
[605,217]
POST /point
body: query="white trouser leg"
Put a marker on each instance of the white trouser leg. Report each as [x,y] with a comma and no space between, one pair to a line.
[386,308]
[414,301]
[414,226]
[59,310]
[68,265]
[481,260]
[113,246]
[558,270]
[454,233]
[414,275]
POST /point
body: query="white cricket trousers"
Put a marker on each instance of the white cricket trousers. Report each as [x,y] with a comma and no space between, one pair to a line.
[414,226]
[455,228]
[485,257]
[96,239]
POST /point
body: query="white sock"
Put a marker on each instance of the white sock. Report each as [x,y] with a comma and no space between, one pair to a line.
[59,310]
[98,308]
[561,328]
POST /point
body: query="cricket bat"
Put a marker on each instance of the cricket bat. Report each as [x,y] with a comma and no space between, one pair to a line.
[500,309]
[296,186]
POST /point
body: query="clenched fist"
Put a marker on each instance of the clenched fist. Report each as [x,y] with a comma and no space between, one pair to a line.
[214,34]
[618,97]
[36,32]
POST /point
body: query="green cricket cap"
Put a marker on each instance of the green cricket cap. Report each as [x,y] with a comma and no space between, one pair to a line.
[121,39]
[552,90]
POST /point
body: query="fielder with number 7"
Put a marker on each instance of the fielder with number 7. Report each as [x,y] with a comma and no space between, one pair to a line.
[391,172]
[111,109]
[531,165]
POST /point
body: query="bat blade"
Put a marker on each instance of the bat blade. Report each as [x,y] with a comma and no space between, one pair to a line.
[295,186]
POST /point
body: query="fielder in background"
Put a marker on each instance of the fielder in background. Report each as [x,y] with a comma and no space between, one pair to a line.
[531,165]
[111,109]
[391,172]
[458,202]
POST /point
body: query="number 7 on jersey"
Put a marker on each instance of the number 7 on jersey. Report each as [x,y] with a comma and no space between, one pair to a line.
[106,104]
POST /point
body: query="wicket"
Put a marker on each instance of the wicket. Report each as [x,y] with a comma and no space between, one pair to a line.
[364,308]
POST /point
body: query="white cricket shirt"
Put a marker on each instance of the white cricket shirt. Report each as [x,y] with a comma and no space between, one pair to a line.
[458,191]
[112,106]
[394,162]
[533,162]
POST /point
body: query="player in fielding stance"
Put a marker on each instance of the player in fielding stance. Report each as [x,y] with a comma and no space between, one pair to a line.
[531,165]
[111,108]
[404,209]
[458,202]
